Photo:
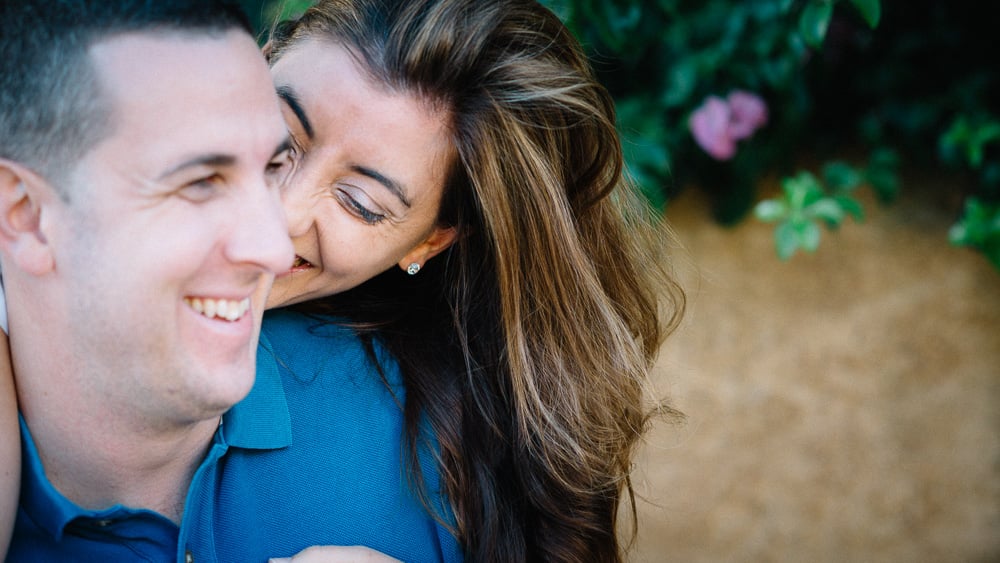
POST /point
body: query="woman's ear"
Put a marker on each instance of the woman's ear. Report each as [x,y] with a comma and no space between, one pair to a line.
[437,242]
[22,240]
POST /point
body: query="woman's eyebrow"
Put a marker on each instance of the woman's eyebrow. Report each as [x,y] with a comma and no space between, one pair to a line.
[393,186]
[288,95]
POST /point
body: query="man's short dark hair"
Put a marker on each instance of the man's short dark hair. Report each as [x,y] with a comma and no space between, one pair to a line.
[51,108]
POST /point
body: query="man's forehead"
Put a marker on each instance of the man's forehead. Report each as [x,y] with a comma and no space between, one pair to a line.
[183,92]
[130,56]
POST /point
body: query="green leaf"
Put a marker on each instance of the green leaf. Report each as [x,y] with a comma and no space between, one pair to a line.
[966,139]
[827,209]
[649,185]
[809,234]
[614,24]
[647,163]
[982,135]
[958,234]
[950,142]
[563,9]
[777,72]
[885,183]
[814,21]
[883,157]
[881,174]
[980,229]
[770,210]
[786,240]
[841,177]
[990,131]
[289,9]
[669,6]
[801,190]
[851,207]
[871,11]
[992,253]
[681,82]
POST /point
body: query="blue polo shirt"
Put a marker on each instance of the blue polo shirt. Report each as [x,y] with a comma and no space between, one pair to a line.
[313,456]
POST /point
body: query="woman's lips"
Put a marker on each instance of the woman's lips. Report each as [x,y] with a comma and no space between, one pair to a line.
[299,265]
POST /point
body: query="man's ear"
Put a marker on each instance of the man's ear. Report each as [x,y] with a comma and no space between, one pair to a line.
[437,242]
[22,239]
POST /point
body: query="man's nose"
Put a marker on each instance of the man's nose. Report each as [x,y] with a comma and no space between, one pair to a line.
[261,232]
[298,204]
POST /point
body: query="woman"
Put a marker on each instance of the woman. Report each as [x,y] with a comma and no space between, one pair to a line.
[457,199]
[526,344]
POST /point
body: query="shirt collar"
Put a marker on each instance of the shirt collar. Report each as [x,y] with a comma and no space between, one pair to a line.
[261,420]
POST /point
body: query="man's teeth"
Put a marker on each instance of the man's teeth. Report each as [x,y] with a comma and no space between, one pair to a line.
[227,309]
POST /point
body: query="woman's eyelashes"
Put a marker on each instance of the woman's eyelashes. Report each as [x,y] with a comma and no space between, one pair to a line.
[280,169]
[357,209]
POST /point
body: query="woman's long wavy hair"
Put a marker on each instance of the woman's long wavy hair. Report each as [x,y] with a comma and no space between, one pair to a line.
[526,347]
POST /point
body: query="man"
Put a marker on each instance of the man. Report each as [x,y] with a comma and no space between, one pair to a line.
[141,145]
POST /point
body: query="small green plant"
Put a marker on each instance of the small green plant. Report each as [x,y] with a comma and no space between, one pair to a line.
[808,201]
[967,139]
[979,228]
[969,143]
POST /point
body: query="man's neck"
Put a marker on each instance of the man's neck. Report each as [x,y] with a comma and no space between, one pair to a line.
[97,465]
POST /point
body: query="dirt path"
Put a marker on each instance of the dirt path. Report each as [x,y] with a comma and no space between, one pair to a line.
[843,406]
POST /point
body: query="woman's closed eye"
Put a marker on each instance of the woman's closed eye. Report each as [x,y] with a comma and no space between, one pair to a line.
[280,168]
[358,209]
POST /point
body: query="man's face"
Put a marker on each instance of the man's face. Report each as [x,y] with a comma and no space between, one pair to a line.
[173,229]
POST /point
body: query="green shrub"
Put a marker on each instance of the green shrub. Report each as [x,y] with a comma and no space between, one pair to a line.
[896,79]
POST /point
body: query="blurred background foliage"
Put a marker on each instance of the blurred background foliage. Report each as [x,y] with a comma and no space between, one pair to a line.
[716,95]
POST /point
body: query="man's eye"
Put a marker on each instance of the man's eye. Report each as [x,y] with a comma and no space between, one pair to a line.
[203,188]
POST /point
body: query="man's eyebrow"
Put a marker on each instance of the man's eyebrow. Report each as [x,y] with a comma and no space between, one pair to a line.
[288,95]
[211,160]
[392,185]
[283,146]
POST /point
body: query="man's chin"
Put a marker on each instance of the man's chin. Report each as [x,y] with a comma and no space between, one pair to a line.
[228,387]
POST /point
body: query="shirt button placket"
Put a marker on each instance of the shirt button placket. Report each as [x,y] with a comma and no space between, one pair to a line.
[188,556]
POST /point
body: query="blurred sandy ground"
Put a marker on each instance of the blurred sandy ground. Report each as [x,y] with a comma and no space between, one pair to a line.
[843,406]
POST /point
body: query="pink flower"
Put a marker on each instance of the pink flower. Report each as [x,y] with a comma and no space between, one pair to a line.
[717,124]
[710,126]
[749,113]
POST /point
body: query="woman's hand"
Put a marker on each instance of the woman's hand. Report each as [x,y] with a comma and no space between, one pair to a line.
[336,554]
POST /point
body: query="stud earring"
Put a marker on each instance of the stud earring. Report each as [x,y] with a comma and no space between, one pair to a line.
[413,268]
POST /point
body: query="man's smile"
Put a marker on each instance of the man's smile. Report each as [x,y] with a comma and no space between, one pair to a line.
[226,309]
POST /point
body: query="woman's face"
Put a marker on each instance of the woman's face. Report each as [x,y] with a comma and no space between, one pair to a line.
[370,172]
